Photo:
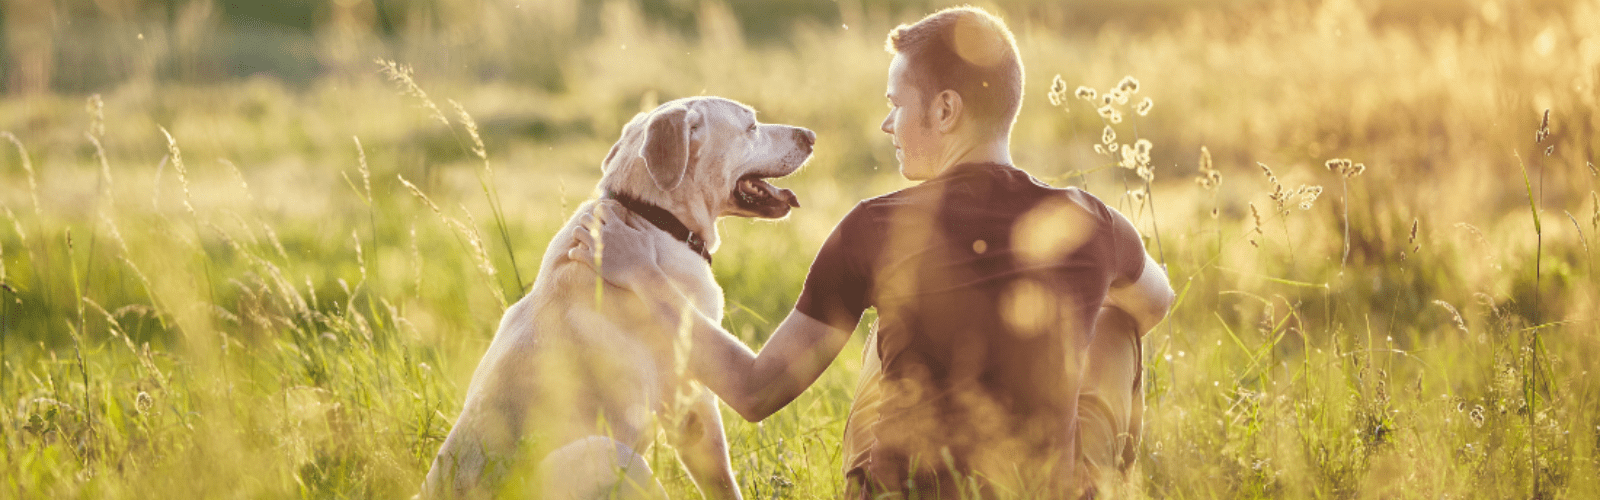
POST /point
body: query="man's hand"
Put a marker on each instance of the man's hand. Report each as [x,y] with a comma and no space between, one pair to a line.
[617,246]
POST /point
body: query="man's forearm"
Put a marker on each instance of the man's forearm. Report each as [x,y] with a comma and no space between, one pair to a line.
[755,384]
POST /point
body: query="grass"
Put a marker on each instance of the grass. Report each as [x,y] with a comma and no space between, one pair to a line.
[246,290]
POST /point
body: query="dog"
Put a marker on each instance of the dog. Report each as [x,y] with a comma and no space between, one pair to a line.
[580,375]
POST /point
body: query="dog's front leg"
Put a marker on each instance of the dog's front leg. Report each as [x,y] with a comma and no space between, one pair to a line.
[703,448]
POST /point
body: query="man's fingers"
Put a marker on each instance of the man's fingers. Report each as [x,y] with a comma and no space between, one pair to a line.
[584,234]
[581,253]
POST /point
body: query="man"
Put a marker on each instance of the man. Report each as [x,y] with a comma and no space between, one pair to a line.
[1002,302]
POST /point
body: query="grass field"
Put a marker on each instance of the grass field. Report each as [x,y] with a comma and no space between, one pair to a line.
[252,289]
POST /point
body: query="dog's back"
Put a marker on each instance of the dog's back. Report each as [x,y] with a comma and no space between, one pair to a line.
[563,367]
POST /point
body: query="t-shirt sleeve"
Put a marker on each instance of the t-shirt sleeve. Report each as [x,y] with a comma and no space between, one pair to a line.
[835,292]
[1127,250]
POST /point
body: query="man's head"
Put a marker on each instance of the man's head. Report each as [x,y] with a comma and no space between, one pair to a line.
[954,72]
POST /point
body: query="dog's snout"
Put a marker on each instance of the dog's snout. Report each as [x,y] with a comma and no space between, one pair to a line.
[805,136]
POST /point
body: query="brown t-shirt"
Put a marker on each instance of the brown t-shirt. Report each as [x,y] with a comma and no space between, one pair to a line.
[987,283]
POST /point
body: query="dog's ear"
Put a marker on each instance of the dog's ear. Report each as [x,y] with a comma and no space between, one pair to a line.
[666,145]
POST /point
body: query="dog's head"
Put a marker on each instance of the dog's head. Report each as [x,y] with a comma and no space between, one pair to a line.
[706,157]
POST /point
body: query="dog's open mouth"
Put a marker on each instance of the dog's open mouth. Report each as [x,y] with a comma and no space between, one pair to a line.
[757,198]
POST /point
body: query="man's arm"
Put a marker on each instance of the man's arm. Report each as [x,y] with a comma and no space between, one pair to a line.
[755,385]
[1146,299]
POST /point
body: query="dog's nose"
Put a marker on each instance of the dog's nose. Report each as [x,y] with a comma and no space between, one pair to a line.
[806,137]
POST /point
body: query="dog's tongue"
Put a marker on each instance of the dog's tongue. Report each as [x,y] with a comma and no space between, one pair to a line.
[759,187]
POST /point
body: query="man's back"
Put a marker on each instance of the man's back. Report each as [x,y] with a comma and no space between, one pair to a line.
[987,284]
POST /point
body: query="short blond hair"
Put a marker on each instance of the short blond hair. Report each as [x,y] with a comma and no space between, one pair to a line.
[970,51]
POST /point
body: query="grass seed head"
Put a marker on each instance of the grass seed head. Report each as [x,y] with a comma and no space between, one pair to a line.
[1594,199]
[1144,106]
[1108,136]
[1413,240]
[1544,129]
[97,116]
[1210,177]
[1106,111]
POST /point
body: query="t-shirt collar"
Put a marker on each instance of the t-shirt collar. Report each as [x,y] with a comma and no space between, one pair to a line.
[962,169]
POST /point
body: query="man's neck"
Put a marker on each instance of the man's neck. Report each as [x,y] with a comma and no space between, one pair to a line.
[992,150]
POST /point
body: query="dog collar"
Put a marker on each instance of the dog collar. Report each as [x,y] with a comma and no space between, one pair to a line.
[664,220]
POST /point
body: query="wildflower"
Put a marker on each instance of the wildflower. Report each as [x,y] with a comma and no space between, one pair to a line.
[1055,100]
[1144,107]
[1142,146]
[1111,148]
[1108,136]
[1058,86]
[1128,85]
[142,402]
[1116,116]
[1307,195]
[1106,111]
[1100,149]
[1085,93]
[1138,196]
[1146,173]
[1119,97]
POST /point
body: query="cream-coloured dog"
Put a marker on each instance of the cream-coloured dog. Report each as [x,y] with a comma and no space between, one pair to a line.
[580,375]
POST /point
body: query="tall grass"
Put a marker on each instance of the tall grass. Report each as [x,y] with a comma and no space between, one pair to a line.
[226,319]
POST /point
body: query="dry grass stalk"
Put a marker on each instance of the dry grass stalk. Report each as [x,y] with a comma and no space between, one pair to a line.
[27,167]
[401,75]
[177,165]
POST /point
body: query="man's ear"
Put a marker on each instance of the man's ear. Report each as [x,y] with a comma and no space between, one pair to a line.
[947,110]
[666,145]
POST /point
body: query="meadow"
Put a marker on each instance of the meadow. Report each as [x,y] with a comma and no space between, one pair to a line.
[264,287]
